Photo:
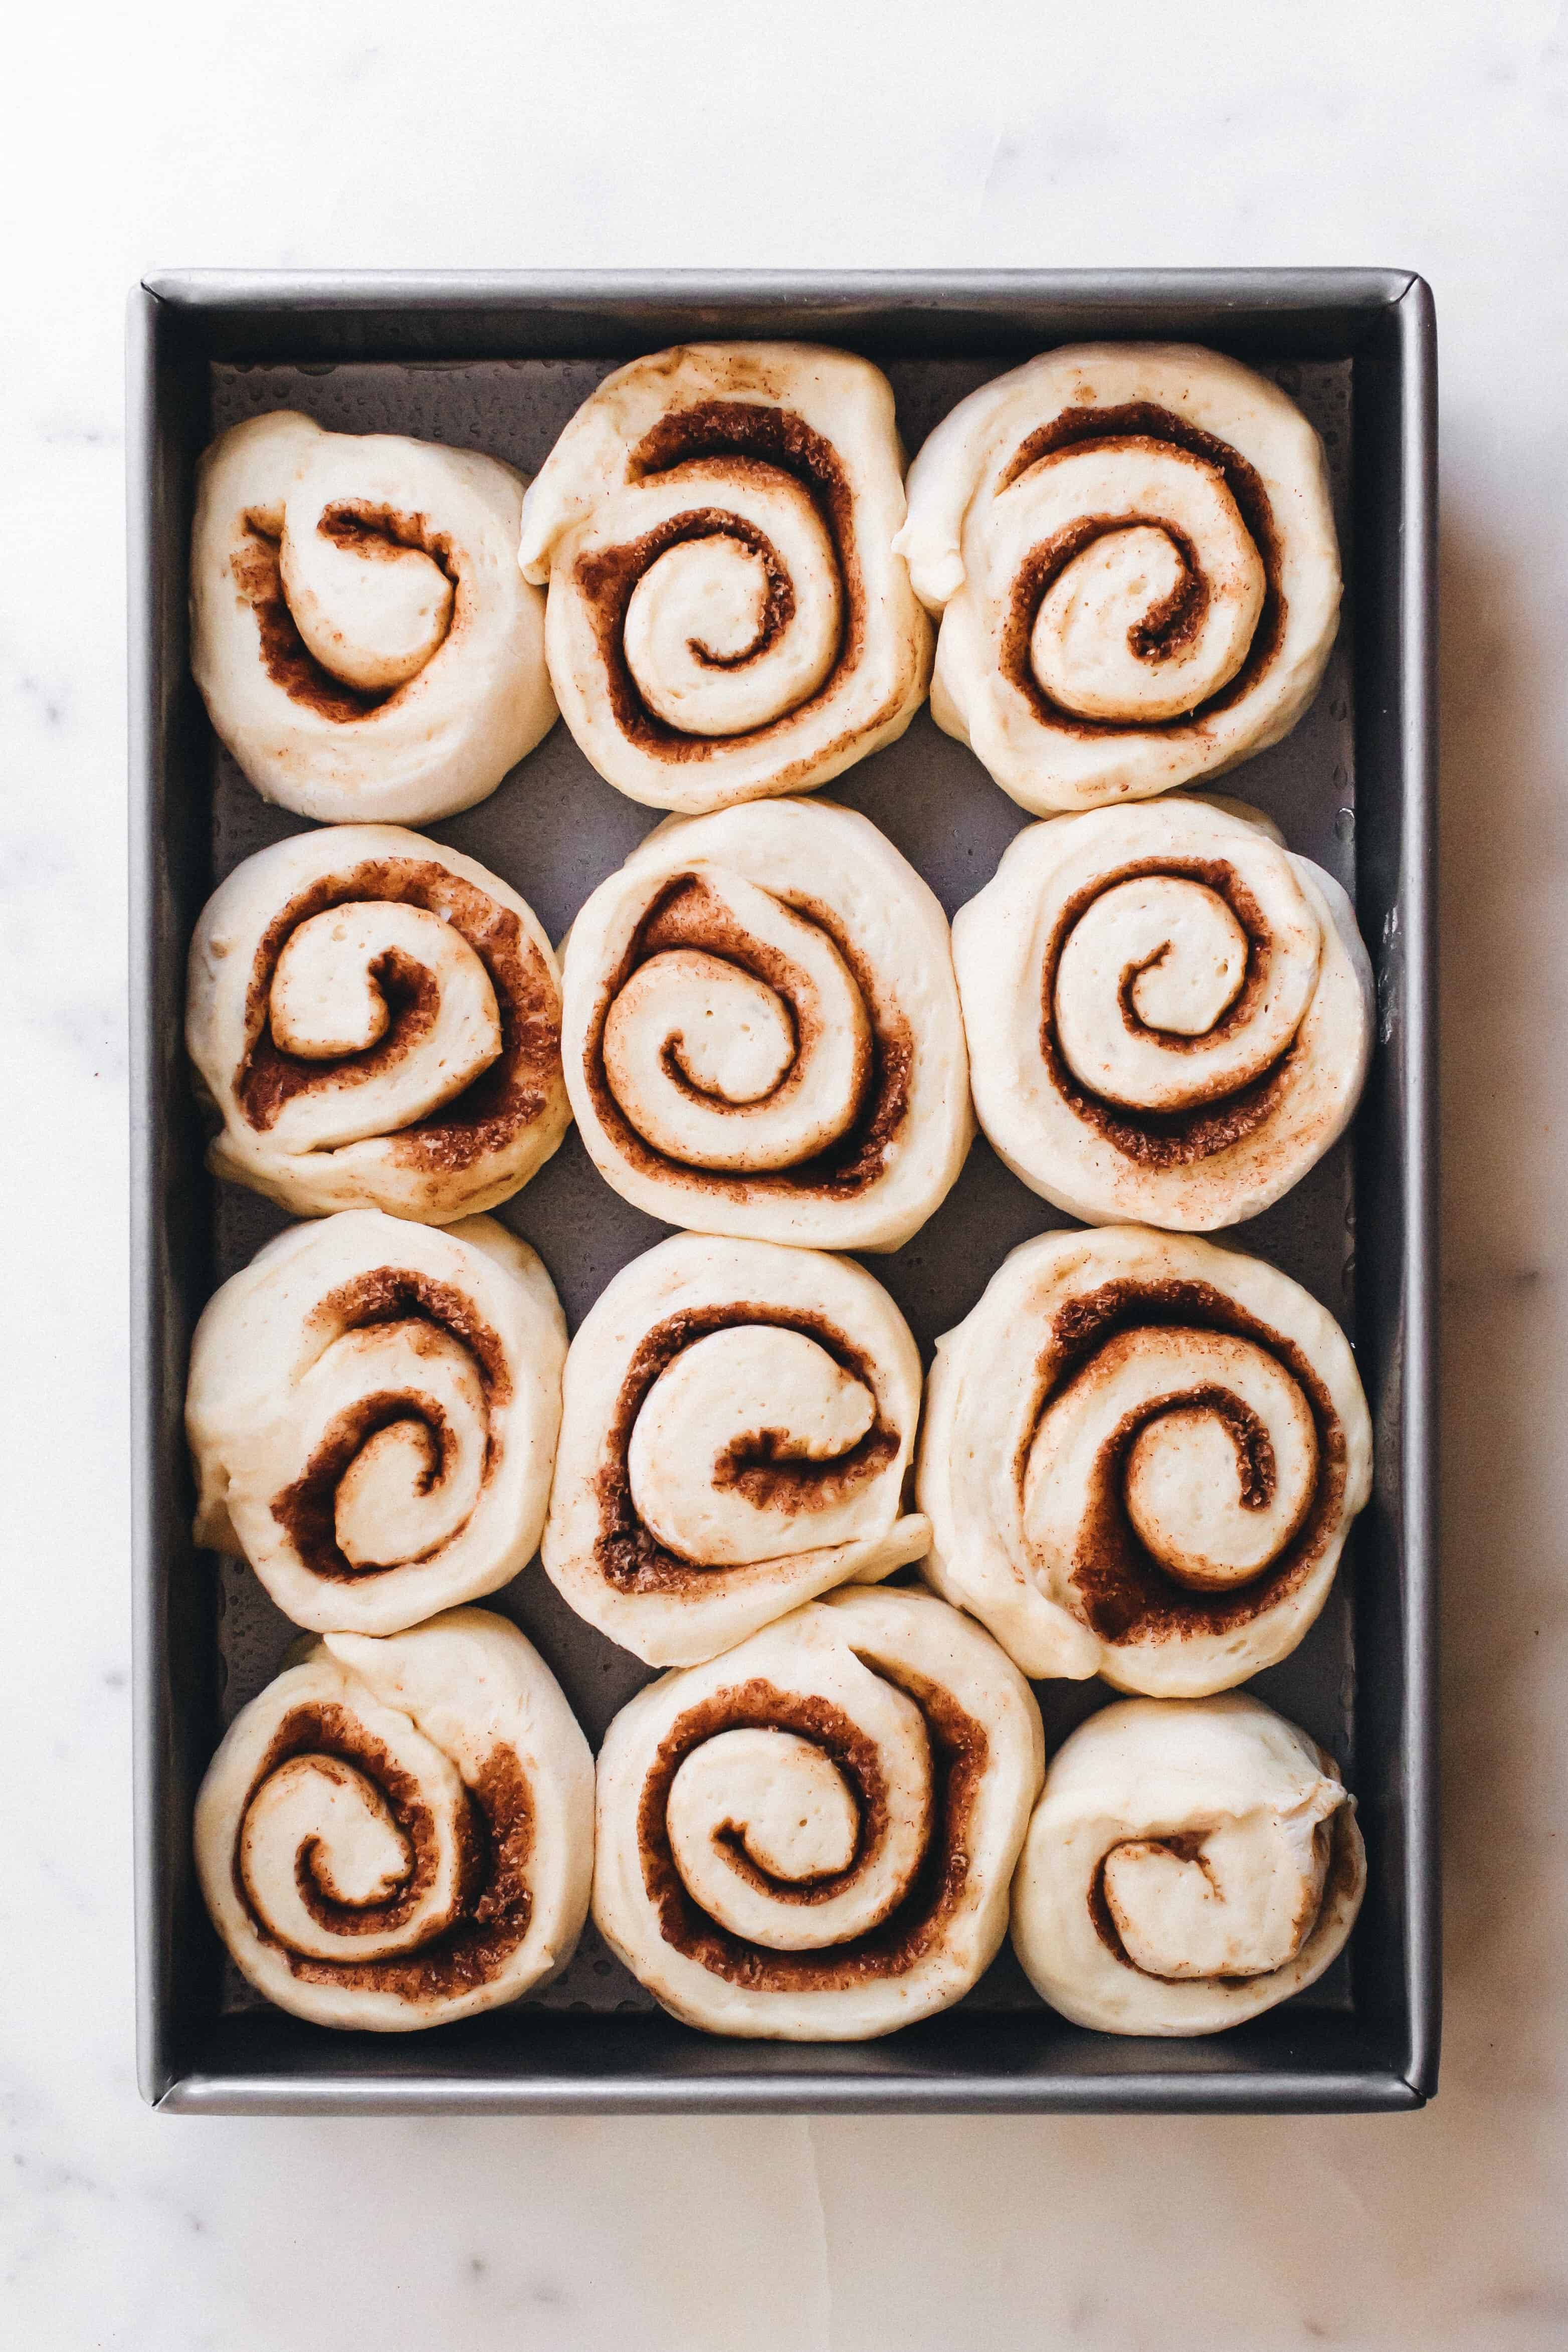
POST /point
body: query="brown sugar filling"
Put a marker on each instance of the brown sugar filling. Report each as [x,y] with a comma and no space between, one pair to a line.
[306,1509]
[398,1294]
[1123,1592]
[1187,1845]
[605,576]
[375,533]
[1161,1139]
[504,1099]
[494,1902]
[686,913]
[720,440]
[626,1553]
[1167,629]
[412,999]
[918,1920]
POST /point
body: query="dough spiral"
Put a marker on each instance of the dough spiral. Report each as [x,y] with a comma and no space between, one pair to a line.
[726,617]
[1192,1863]
[762,1030]
[359,630]
[377,1020]
[1132,549]
[399,1832]
[1141,1458]
[736,1436]
[811,1838]
[1170,1016]
[373,1411]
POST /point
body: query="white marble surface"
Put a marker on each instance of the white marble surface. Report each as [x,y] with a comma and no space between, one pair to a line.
[894,132]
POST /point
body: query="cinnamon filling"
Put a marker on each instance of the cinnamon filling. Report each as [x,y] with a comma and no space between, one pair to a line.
[1172,622]
[494,1902]
[307,1510]
[1188,1846]
[762,1466]
[1168,627]
[375,533]
[625,1552]
[685,913]
[396,1293]
[752,440]
[916,1923]
[509,1095]
[1123,1592]
[411,1002]
[1161,1139]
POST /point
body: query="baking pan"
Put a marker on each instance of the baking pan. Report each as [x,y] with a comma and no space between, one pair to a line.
[499,362]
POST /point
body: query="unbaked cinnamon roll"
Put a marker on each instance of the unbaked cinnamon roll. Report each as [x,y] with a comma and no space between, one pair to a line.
[736,1436]
[762,1030]
[1169,1015]
[1132,551]
[1192,1863]
[399,1832]
[810,1839]
[377,1021]
[372,1411]
[727,618]
[1141,1458]
[361,635]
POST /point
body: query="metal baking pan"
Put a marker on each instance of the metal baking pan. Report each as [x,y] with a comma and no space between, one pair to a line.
[500,362]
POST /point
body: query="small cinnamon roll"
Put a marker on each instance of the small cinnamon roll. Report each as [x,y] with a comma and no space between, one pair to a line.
[737,1431]
[399,1832]
[1169,1015]
[1190,1863]
[727,618]
[811,1838]
[364,643]
[372,1410]
[761,1031]
[1132,551]
[376,1020]
[1141,1458]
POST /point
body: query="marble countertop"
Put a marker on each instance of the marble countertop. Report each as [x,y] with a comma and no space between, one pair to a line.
[898,132]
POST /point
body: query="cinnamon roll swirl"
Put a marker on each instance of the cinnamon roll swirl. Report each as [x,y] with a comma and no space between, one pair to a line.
[1192,1863]
[736,1436]
[398,1832]
[810,1839]
[1170,1016]
[377,1021]
[373,1411]
[1132,551]
[762,1031]
[1141,1458]
[361,635]
[726,617]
